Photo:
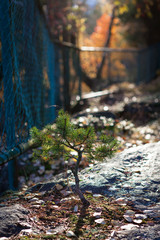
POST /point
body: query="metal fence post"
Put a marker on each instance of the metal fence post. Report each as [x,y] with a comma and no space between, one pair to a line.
[149,55]
[109,68]
[80,75]
[66,77]
[5,24]
[158,55]
[57,74]
[138,67]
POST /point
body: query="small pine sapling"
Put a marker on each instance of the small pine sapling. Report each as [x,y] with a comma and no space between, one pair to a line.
[64,137]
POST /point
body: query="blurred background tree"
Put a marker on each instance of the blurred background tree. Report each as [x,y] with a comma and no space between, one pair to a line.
[103,23]
[85,22]
[140,19]
[65,19]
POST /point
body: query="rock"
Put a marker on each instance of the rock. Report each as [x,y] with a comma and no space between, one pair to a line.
[4,178]
[121,201]
[65,193]
[100,221]
[142,233]
[34,199]
[128,218]
[55,207]
[133,173]
[97,195]
[153,213]
[57,230]
[113,233]
[118,177]
[11,218]
[130,213]
[140,216]
[70,234]
[26,231]
[129,227]
[146,158]
[75,209]
[59,187]
[97,214]
[138,221]
[46,186]
[35,206]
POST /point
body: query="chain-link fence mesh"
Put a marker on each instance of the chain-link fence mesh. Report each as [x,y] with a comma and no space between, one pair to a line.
[29,72]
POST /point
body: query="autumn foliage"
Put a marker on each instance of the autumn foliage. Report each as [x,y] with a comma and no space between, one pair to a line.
[99,35]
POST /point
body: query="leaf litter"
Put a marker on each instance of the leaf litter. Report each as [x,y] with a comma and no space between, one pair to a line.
[59,217]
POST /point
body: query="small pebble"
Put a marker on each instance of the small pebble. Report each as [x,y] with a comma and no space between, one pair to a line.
[59,187]
[97,195]
[140,216]
[33,199]
[100,221]
[35,206]
[75,209]
[113,233]
[130,213]
[65,193]
[138,221]
[121,201]
[97,214]
[129,226]
[70,234]
[128,218]
[26,231]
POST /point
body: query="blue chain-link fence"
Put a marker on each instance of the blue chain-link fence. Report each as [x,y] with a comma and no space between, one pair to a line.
[29,74]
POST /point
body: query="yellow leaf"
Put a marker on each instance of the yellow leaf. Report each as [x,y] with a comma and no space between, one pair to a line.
[149,14]
[117,3]
[123,9]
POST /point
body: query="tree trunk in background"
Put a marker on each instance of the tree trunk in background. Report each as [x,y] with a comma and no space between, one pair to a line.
[99,72]
[93,83]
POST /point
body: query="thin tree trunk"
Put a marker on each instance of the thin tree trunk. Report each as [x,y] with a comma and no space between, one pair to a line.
[75,173]
[93,83]
[79,192]
[99,72]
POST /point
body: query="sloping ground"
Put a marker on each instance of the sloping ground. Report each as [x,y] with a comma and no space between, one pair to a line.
[124,194]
